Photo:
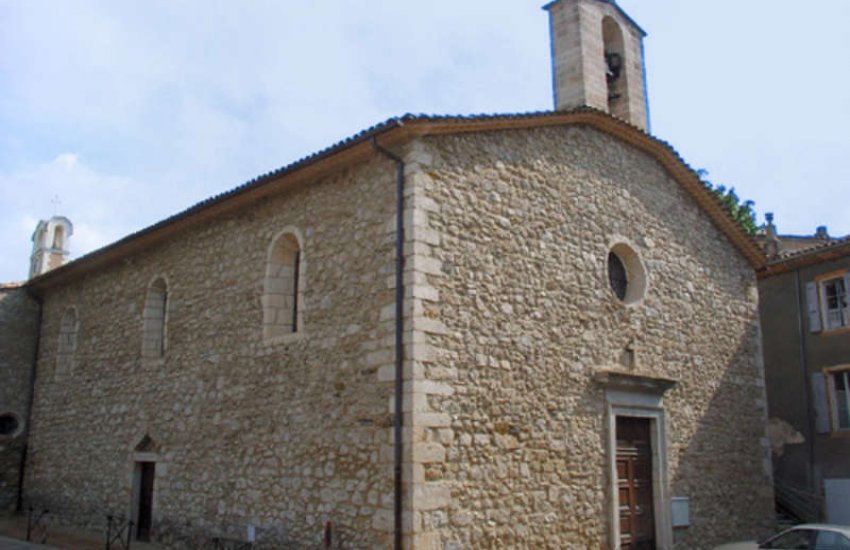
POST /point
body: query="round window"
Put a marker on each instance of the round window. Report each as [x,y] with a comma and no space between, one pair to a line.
[617,276]
[10,425]
[626,274]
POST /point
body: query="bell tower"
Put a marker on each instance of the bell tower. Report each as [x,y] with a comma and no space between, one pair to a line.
[597,59]
[50,245]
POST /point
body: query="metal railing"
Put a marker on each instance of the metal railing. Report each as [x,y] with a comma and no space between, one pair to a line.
[802,504]
[220,543]
[119,532]
[37,525]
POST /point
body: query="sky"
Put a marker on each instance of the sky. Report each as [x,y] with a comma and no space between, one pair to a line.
[119,114]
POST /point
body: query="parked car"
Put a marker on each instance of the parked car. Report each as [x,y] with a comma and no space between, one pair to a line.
[808,536]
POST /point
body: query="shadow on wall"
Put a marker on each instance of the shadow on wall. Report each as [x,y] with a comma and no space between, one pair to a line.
[721,463]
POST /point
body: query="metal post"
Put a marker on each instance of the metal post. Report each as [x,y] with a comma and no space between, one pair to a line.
[328,534]
[129,533]
[29,524]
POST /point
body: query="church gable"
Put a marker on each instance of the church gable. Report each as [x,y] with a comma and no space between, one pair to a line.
[601,169]
[569,257]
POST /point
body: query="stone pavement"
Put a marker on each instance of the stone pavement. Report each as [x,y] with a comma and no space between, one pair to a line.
[13,544]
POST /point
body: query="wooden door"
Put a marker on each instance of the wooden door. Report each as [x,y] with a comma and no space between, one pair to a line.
[634,484]
[146,478]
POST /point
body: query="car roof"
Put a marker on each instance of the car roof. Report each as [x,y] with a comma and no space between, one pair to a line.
[843,529]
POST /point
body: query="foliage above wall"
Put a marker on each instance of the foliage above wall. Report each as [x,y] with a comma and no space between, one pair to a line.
[742,211]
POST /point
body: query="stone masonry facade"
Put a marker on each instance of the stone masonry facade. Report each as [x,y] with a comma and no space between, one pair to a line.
[18,330]
[283,434]
[509,321]
[510,421]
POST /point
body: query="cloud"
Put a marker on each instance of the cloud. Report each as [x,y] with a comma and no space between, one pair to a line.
[131,112]
[102,207]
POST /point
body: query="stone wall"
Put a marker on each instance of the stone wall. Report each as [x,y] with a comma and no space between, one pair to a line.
[18,333]
[283,434]
[509,320]
[519,319]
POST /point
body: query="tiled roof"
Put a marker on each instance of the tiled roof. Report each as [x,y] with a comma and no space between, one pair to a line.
[812,249]
[824,251]
[409,126]
[809,245]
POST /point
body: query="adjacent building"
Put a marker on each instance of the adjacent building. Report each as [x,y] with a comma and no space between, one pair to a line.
[805,311]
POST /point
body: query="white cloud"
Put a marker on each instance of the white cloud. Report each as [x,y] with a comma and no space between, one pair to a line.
[133,111]
[101,206]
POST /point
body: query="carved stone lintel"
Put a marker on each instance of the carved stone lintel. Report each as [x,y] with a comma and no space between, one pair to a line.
[615,380]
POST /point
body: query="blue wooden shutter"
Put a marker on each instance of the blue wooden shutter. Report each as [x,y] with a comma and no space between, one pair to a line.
[813,306]
[820,403]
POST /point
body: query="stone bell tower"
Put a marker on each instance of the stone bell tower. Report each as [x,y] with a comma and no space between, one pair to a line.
[597,59]
[50,245]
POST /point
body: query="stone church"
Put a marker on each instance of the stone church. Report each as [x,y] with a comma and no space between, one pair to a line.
[506,331]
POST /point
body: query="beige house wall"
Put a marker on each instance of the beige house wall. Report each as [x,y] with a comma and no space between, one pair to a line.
[283,434]
[519,452]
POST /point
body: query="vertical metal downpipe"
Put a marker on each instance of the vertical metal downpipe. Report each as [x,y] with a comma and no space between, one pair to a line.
[807,383]
[19,502]
[399,343]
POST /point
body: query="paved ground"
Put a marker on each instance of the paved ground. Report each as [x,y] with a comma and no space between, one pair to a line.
[13,532]
[12,544]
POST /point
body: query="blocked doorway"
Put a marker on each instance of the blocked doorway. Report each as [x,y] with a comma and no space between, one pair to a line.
[144,476]
[635,498]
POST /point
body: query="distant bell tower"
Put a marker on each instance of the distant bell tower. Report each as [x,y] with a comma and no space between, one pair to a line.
[597,59]
[50,245]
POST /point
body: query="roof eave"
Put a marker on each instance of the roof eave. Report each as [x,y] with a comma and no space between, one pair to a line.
[392,133]
[806,258]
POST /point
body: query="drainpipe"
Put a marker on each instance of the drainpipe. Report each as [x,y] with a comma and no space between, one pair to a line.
[19,503]
[807,383]
[645,87]
[399,344]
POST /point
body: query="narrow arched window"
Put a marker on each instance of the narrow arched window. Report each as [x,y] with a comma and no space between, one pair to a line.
[58,237]
[155,317]
[283,286]
[66,348]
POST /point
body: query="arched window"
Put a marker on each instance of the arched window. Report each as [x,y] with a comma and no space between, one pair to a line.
[155,316]
[283,287]
[67,346]
[58,237]
[615,66]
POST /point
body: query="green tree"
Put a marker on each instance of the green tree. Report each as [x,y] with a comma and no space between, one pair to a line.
[742,211]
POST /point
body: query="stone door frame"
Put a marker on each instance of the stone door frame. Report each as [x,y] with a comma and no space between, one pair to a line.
[637,402]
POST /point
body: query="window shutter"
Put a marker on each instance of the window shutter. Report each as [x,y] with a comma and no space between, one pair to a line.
[847,299]
[821,405]
[813,307]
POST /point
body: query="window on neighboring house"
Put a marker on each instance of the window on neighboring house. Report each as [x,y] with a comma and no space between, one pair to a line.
[155,317]
[834,300]
[283,287]
[840,391]
[828,302]
[67,346]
